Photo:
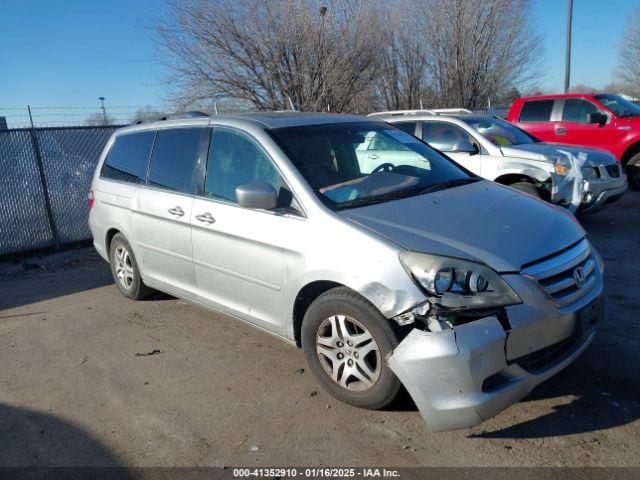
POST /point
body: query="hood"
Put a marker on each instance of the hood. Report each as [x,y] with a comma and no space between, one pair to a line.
[483,222]
[548,152]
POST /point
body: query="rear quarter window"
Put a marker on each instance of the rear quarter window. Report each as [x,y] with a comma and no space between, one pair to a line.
[128,157]
[536,111]
[409,127]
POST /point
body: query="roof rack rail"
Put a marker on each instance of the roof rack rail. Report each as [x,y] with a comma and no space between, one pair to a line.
[189,114]
[433,111]
[401,112]
[453,111]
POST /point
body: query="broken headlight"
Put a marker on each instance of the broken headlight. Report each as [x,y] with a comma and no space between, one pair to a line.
[458,284]
[562,166]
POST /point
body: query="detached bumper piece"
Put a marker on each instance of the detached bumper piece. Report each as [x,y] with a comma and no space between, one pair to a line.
[460,377]
[608,188]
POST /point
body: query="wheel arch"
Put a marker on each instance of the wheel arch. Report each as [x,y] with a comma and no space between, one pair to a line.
[630,151]
[111,232]
[305,296]
[511,178]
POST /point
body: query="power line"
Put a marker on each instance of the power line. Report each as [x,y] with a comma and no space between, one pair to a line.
[94,107]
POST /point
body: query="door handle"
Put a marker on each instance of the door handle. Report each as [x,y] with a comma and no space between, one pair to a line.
[176,211]
[374,156]
[561,131]
[206,218]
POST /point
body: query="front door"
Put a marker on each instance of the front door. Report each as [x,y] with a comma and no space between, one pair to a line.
[239,253]
[574,127]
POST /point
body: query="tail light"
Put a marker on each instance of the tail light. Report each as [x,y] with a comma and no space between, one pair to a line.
[90,199]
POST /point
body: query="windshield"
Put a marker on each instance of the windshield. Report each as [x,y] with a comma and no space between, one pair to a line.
[498,132]
[618,105]
[356,163]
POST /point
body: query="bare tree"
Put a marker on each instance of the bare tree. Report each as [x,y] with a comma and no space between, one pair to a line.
[99,118]
[147,114]
[403,82]
[629,56]
[261,54]
[582,88]
[479,49]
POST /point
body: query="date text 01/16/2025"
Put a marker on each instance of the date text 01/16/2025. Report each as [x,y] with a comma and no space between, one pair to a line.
[315,472]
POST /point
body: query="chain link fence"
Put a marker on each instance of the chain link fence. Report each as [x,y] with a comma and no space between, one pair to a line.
[46,176]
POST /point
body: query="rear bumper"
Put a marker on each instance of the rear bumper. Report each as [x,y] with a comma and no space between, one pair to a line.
[98,237]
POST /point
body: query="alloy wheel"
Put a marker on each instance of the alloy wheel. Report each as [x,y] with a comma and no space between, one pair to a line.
[124,267]
[348,353]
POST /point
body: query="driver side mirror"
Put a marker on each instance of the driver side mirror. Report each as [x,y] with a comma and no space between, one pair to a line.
[466,147]
[597,117]
[257,195]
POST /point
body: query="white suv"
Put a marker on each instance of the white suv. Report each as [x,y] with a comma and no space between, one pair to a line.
[579,178]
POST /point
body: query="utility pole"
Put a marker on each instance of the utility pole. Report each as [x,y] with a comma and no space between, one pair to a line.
[567,60]
[104,112]
[323,71]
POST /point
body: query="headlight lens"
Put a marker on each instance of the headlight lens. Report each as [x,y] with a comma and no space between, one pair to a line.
[458,284]
[562,166]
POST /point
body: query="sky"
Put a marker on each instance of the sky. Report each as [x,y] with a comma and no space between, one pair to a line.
[598,26]
[70,52]
[67,53]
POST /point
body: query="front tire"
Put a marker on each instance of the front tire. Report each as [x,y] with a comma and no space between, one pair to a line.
[633,171]
[346,342]
[526,187]
[125,271]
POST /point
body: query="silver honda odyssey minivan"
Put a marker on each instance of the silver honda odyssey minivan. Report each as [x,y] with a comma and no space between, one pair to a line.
[412,273]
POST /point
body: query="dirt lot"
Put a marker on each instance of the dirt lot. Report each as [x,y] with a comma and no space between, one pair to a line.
[78,388]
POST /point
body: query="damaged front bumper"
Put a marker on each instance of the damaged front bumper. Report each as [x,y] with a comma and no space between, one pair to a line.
[458,378]
[463,375]
[599,192]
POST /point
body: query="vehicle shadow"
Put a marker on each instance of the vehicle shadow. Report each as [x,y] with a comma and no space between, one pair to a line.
[599,400]
[38,280]
[32,442]
[35,280]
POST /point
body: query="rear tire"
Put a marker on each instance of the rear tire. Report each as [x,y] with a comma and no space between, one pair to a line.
[346,342]
[125,271]
[527,187]
[633,171]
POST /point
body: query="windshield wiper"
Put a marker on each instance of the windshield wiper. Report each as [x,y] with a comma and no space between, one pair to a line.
[359,202]
[449,184]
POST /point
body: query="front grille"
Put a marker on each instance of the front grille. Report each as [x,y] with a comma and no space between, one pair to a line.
[590,172]
[568,276]
[613,171]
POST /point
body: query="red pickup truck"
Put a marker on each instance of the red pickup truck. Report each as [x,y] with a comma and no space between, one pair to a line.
[598,120]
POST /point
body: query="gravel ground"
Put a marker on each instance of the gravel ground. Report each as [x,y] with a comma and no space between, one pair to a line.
[90,378]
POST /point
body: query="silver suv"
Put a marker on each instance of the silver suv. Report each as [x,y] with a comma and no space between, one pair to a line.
[580,178]
[410,272]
